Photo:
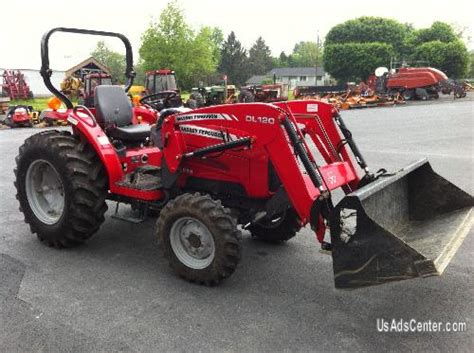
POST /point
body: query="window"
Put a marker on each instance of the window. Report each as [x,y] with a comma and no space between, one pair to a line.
[319,78]
[302,78]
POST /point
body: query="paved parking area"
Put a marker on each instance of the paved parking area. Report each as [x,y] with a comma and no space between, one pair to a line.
[117,294]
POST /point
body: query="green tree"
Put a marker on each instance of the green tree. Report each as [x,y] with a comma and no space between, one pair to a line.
[438,31]
[206,49]
[470,73]
[355,48]
[217,39]
[368,30]
[306,54]
[234,60]
[282,60]
[355,61]
[139,73]
[452,57]
[113,60]
[171,43]
[260,59]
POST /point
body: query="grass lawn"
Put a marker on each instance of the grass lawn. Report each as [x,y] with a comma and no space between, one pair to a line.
[36,103]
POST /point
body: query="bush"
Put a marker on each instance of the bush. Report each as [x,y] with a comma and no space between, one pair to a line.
[452,58]
[355,61]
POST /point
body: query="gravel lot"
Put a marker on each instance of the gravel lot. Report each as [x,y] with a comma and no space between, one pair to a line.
[117,294]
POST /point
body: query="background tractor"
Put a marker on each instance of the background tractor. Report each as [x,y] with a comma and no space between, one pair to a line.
[91,81]
[209,170]
[264,93]
[74,88]
[161,85]
[212,95]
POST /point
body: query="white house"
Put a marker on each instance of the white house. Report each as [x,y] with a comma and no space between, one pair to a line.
[296,76]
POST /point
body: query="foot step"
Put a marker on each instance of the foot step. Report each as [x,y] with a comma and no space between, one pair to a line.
[146,178]
[142,216]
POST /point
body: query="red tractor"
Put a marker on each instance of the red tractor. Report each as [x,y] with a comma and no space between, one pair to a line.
[162,90]
[414,83]
[91,81]
[208,170]
[276,92]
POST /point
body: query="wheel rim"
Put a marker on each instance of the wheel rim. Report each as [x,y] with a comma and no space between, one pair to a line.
[192,243]
[44,191]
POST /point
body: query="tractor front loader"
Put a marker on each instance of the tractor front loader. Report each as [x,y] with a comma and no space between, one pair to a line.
[208,170]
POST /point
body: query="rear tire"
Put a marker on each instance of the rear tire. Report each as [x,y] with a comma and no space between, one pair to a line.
[198,98]
[199,238]
[192,104]
[409,94]
[246,97]
[55,168]
[281,230]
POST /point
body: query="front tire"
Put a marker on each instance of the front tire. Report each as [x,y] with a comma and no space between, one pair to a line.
[61,186]
[199,238]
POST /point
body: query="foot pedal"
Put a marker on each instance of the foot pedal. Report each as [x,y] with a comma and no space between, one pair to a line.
[326,248]
[134,220]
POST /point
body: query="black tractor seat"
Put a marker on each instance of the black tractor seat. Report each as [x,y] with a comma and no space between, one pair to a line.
[114,113]
[131,133]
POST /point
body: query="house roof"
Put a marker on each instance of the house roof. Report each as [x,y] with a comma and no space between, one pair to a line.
[256,79]
[86,62]
[297,71]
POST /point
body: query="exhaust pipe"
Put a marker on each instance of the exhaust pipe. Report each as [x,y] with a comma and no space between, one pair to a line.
[399,227]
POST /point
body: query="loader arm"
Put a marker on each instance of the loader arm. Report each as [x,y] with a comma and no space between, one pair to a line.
[322,124]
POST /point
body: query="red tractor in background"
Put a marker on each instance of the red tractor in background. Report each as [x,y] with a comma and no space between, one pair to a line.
[414,83]
[91,81]
[208,170]
[275,92]
[162,90]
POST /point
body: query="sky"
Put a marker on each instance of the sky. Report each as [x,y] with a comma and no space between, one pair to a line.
[280,23]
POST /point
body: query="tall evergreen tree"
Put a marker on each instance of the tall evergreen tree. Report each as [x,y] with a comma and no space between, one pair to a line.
[234,60]
[260,59]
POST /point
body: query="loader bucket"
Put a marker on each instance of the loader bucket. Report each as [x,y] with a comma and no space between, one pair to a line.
[399,227]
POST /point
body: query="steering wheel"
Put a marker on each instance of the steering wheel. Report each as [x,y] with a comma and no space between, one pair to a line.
[159,101]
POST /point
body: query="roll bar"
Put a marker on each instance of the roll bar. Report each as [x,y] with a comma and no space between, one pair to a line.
[46,72]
